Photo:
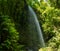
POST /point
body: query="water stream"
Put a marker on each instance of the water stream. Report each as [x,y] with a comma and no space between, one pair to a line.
[35,31]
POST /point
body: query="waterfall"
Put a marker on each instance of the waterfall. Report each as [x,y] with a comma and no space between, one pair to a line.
[35,30]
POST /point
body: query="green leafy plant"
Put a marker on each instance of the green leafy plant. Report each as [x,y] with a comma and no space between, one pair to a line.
[49,19]
[11,42]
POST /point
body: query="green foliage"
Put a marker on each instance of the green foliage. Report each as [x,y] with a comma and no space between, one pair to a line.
[13,24]
[13,8]
[10,42]
[55,3]
[49,18]
[10,20]
[46,49]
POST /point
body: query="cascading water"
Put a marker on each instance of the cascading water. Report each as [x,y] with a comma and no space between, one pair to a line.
[35,31]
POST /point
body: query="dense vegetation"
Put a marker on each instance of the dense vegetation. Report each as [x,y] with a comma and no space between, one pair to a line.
[13,26]
[49,17]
